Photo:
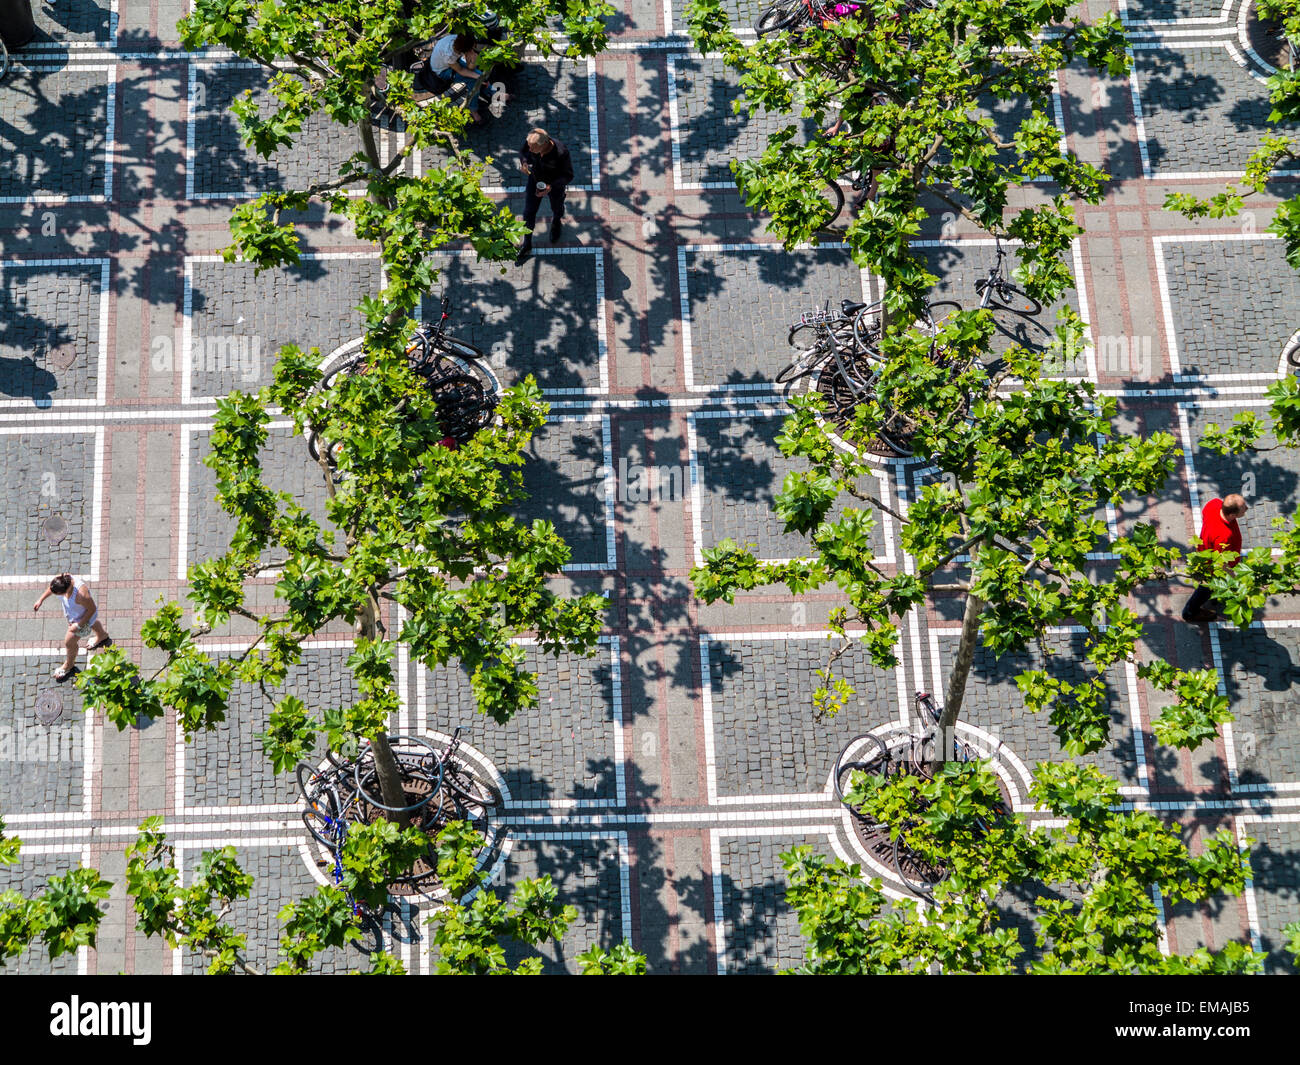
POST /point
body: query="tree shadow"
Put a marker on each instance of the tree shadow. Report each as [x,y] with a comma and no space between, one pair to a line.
[710,132]
[60,20]
[1276,875]
[564,481]
[540,319]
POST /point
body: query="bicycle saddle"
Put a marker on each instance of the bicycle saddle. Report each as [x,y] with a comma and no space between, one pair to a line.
[851,308]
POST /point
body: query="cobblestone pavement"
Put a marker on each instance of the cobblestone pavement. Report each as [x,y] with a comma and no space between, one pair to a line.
[658,781]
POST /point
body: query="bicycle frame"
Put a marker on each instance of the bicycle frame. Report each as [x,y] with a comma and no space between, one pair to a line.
[996,276]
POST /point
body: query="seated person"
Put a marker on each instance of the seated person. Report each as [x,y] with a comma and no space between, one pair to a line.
[452,59]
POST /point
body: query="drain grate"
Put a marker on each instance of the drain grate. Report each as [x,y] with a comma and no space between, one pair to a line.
[55,529]
[49,706]
[62,357]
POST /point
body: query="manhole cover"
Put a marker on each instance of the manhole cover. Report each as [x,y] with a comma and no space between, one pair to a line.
[55,529]
[49,707]
[61,357]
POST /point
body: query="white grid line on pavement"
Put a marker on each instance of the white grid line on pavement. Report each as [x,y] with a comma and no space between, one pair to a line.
[1135,87]
[996,747]
[187,313]
[597,254]
[715,845]
[710,743]
[1229,733]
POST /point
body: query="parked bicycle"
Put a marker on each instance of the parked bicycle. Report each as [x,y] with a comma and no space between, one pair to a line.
[810,332]
[908,754]
[462,390]
[857,369]
[1291,350]
[996,290]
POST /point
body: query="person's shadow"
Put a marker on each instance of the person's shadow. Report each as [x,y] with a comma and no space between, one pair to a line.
[26,379]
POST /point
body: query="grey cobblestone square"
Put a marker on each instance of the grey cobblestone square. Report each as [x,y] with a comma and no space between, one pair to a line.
[759,931]
[1171,10]
[707,133]
[590,873]
[1202,111]
[960,264]
[1257,669]
[54,315]
[739,301]
[280,876]
[556,95]
[1268,479]
[568,750]
[29,876]
[994,704]
[56,133]
[238,320]
[41,766]
[565,476]
[1275,872]
[74,20]
[1231,304]
[219,165]
[738,470]
[48,475]
[286,467]
[764,735]
[742,13]
[228,766]
[545,319]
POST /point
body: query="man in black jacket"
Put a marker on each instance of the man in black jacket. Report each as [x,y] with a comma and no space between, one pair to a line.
[550,169]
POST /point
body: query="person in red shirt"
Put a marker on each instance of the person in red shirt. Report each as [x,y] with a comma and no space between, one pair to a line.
[1219,532]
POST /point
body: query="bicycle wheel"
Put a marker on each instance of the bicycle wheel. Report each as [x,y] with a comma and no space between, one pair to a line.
[469,794]
[927,709]
[348,363]
[804,363]
[804,336]
[938,312]
[917,875]
[866,330]
[833,200]
[1291,352]
[323,821]
[310,779]
[1007,296]
[873,759]
[457,348]
[896,433]
[777,17]
[4,59]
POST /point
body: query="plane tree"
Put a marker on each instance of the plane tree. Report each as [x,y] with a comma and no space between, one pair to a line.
[1021,455]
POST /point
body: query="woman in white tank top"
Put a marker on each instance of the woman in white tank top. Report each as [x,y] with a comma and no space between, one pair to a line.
[83,619]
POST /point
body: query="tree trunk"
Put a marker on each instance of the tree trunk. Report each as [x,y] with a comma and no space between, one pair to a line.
[386,767]
[970,631]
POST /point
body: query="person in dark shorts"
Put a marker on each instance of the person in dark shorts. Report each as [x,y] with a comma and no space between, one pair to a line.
[83,620]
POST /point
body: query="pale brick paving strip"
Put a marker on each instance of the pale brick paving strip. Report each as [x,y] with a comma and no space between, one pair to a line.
[615,767]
